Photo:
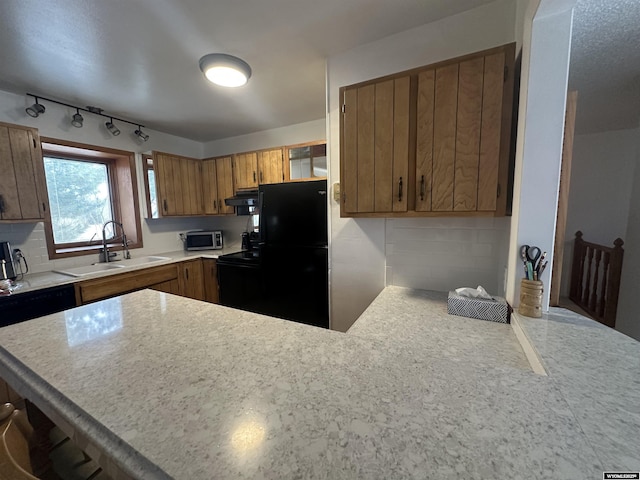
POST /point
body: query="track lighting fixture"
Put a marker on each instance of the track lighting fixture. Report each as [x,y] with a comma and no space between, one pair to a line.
[35,110]
[225,70]
[141,135]
[78,120]
[115,131]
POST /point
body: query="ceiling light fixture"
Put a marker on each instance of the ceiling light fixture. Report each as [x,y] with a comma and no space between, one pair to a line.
[35,110]
[225,70]
[141,135]
[115,131]
[78,120]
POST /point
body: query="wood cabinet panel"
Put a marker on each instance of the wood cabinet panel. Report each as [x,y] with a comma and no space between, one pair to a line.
[376,147]
[191,279]
[349,164]
[490,135]
[99,288]
[469,116]
[245,168]
[170,286]
[444,137]
[178,185]
[210,187]
[270,166]
[224,173]
[211,288]
[424,142]
[448,128]
[23,189]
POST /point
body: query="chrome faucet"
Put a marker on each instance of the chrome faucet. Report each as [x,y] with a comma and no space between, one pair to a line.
[105,249]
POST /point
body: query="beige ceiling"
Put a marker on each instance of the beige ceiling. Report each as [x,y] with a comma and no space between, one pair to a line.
[138,59]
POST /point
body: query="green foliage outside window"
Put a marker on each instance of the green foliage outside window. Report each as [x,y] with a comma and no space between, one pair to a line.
[79,198]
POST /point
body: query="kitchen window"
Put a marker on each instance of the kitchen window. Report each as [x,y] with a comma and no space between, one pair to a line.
[87,187]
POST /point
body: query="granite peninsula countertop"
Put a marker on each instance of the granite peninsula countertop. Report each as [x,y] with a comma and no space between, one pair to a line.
[159,386]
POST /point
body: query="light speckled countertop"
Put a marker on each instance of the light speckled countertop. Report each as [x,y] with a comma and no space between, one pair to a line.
[158,386]
[37,281]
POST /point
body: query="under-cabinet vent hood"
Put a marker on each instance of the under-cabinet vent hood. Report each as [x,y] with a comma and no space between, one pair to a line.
[245,201]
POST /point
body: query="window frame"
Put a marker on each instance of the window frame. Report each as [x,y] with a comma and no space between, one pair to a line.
[147,166]
[287,161]
[123,190]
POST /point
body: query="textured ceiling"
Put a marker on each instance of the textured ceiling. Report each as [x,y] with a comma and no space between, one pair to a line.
[605,64]
[138,59]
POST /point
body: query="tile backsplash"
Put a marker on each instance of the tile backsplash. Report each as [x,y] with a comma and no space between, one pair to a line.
[447,253]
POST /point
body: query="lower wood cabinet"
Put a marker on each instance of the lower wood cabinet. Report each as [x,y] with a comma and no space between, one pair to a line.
[191,279]
[211,289]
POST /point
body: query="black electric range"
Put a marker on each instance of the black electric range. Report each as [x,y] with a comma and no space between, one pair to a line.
[245,257]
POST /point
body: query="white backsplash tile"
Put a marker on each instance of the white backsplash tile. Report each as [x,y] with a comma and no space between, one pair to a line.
[446,253]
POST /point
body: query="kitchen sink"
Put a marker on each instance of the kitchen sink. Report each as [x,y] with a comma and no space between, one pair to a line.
[104,267]
[89,269]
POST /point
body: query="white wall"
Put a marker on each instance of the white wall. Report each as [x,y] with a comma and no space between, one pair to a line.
[358,245]
[600,190]
[277,137]
[545,70]
[628,319]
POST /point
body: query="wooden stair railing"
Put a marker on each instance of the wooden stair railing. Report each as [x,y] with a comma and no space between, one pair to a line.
[595,278]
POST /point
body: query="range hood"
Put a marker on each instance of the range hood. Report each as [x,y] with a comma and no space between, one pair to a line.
[245,201]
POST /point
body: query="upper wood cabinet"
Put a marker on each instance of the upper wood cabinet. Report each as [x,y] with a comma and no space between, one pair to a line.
[445,129]
[245,170]
[23,188]
[270,166]
[217,184]
[178,185]
[375,147]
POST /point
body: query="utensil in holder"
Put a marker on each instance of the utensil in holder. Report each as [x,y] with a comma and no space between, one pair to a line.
[531,298]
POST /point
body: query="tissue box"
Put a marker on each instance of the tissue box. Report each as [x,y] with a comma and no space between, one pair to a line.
[496,310]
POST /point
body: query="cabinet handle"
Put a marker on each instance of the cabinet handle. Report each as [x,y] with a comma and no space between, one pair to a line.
[44,207]
[215,205]
[422,188]
[261,177]
[400,190]
[164,204]
[1,204]
[186,273]
[254,177]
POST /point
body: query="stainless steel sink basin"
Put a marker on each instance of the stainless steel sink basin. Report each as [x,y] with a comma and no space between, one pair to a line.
[89,269]
[104,267]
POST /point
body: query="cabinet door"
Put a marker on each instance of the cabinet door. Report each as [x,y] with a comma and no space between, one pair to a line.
[270,166]
[23,194]
[191,279]
[245,169]
[460,144]
[191,182]
[210,269]
[210,187]
[375,148]
[224,174]
[165,190]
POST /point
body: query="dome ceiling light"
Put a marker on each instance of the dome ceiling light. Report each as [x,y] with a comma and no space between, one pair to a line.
[225,70]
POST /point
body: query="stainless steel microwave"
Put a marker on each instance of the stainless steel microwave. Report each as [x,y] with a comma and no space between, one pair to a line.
[203,240]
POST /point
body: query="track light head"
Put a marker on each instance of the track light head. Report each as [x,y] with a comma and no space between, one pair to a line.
[35,110]
[77,119]
[115,131]
[141,135]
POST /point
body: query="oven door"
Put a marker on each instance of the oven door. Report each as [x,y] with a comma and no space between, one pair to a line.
[240,286]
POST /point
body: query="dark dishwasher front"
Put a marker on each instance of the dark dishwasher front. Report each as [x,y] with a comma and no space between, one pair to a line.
[19,307]
[240,282]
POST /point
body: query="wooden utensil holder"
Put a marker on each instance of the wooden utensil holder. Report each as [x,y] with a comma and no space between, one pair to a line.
[531,298]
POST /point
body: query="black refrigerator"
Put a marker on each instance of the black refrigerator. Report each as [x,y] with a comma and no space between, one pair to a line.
[293,251]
